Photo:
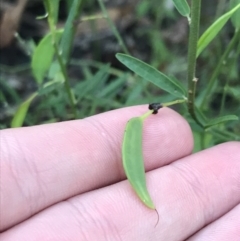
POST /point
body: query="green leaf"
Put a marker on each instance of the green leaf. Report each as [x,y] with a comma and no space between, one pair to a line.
[51,85]
[221,119]
[52,7]
[94,83]
[200,116]
[70,29]
[213,30]
[21,112]
[235,90]
[43,56]
[202,140]
[142,8]
[113,87]
[151,74]
[182,7]
[178,82]
[224,135]
[236,16]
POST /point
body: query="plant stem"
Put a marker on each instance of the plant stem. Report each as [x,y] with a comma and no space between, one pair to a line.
[225,89]
[224,135]
[66,80]
[223,100]
[144,116]
[113,27]
[173,102]
[211,82]
[94,17]
[66,43]
[151,111]
[70,28]
[99,65]
[192,52]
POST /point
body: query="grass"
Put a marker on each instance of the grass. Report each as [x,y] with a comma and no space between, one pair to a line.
[101,86]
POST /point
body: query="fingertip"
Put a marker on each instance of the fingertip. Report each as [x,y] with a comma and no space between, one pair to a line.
[167,136]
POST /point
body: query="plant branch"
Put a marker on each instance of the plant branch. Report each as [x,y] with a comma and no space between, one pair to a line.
[66,43]
[66,79]
[192,53]
[212,80]
[173,102]
[70,28]
[113,27]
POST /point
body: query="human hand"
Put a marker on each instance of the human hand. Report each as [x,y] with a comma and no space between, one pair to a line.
[65,182]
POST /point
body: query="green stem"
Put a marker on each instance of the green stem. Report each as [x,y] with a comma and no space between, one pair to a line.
[225,89]
[173,102]
[66,80]
[90,18]
[212,80]
[70,28]
[66,40]
[14,70]
[192,53]
[95,64]
[144,116]
[224,135]
[113,27]
[224,97]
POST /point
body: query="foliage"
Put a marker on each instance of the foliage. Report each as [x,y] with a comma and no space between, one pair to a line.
[213,97]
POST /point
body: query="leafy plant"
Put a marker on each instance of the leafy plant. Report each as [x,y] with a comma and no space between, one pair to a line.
[206,78]
[195,47]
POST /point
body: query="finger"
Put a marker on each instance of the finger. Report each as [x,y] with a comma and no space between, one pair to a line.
[45,164]
[225,228]
[188,194]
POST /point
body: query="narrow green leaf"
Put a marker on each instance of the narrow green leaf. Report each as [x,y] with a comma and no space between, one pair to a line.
[134,93]
[214,29]
[197,136]
[51,85]
[142,8]
[182,7]
[221,119]
[236,16]
[151,74]
[224,135]
[178,82]
[52,7]
[21,112]
[113,87]
[43,56]
[200,116]
[202,140]
[94,83]
[70,29]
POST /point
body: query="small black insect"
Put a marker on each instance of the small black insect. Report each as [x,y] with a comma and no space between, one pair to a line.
[155,107]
